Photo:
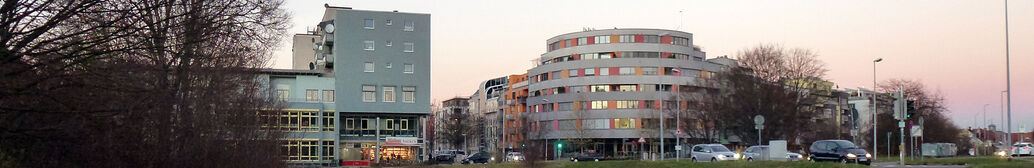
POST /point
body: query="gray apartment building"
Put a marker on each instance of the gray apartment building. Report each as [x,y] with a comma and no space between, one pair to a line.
[599,91]
[364,95]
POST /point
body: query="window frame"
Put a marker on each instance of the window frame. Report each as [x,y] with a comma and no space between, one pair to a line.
[328,94]
[369,93]
[312,95]
[408,47]
[410,26]
[369,45]
[408,94]
[388,94]
[369,67]
[408,68]
[369,24]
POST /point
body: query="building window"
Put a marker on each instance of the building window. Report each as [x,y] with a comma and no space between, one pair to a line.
[408,68]
[407,47]
[651,39]
[600,88]
[583,41]
[572,72]
[369,93]
[604,71]
[649,70]
[387,43]
[590,72]
[387,66]
[389,124]
[596,105]
[624,123]
[368,23]
[626,71]
[368,45]
[627,104]
[682,41]
[349,123]
[404,124]
[368,67]
[626,38]
[626,88]
[312,95]
[605,55]
[602,39]
[364,124]
[409,26]
[389,93]
[328,95]
[282,94]
[328,149]
[409,94]
[328,121]
[387,22]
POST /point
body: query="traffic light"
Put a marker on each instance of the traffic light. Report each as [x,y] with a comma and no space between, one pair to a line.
[910,106]
[559,145]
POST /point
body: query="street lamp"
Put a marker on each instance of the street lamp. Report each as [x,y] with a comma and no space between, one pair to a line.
[1008,83]
[874,138]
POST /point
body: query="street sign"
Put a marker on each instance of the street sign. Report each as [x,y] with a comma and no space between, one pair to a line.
[642,140]
[917,131]
[758,119]
[678,147]
[759,127]
[901,124]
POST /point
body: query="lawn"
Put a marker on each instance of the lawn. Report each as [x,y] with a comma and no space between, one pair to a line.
[975,162]
[662,164]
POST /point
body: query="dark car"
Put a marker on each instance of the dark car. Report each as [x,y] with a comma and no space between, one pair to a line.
[479,157]
[840,151]
[445,159]
[596,157]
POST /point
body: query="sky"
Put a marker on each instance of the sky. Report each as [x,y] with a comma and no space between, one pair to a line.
[956,47]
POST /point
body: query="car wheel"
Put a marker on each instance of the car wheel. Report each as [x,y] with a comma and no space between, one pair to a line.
[842,160]
[750,159]
[694,159]
[811,159]
[714,160]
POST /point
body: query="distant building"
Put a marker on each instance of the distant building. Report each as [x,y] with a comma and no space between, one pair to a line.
[451,111]
[363,92]
[599,91]
[485,105]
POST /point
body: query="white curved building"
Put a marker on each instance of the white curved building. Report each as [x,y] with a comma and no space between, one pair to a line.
[601,90]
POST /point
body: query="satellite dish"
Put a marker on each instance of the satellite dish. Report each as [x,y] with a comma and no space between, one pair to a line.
[329,28]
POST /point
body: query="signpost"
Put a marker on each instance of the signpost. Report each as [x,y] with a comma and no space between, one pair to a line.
[759,122]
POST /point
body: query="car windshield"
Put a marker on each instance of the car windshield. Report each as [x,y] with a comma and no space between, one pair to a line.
[1020,145]
[845,144]
[719,148]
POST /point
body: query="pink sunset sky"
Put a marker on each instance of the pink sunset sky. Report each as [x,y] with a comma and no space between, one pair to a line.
[956,47]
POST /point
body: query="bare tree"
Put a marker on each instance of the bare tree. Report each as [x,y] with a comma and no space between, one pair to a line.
[929,105]
[137,84]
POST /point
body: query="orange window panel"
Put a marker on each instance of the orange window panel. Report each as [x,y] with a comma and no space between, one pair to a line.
[614,39]
[638,70]
[564,74]
[612,104]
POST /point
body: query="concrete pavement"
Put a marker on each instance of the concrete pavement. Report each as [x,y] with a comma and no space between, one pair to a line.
[895,165]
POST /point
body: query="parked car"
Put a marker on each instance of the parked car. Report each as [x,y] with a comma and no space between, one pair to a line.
[838,150]
[595,157]
[1020,149]
[514,157]
[755,153]
[445,159]
[479,157]
[712,152]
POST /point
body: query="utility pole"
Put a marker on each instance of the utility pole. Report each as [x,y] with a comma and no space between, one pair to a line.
[901,124]
[678,120]
[1008,83]
[377,142]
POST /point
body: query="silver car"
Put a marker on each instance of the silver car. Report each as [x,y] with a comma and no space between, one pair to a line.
[755,153]
[712,152]
[1020,149]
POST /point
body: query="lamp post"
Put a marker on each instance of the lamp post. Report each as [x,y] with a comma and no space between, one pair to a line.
[1008,83]
[874,138]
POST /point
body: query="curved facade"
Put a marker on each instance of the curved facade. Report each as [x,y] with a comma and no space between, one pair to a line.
[611,85]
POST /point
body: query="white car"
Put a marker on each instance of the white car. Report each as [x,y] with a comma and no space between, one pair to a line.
[1022,149]
[514,157]
[712,152]
[755,153]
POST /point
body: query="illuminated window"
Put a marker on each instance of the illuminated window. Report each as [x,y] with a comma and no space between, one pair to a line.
[389,93]
[624,123]
[600,88]
[626,88]
[599,105]
[627,104]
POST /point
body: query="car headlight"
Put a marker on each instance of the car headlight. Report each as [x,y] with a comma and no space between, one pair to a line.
[736,156]
[868,155]
[491,158]
[851,155]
